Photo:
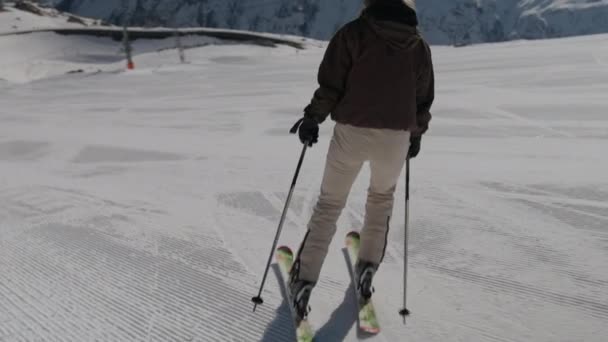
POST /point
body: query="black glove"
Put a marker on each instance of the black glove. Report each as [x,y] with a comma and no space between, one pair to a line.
[308,130]
[414,147]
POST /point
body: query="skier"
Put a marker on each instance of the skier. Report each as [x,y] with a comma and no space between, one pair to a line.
[376,80]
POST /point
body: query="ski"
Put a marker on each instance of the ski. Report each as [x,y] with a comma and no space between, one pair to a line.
[284,257]
[368,321]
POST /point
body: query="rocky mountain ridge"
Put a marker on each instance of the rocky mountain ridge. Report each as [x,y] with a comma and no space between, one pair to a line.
[455,22]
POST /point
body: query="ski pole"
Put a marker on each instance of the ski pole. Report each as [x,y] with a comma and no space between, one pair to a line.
[258,299]
[405,312]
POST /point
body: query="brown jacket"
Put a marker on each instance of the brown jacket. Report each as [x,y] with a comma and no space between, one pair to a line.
[376,73]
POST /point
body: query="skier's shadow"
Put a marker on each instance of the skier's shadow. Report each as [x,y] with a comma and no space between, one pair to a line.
[344,317]
[282,324]
[335,329]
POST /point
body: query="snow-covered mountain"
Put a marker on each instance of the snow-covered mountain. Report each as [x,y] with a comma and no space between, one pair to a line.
[444,22]
[473,21]
[27,16]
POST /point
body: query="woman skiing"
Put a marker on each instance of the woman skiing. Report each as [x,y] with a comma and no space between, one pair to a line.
[376,80]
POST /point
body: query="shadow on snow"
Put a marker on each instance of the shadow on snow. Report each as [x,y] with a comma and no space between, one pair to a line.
[335,329]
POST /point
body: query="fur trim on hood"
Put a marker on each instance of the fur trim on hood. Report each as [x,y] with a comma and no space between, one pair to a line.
[409,3]
[397,11]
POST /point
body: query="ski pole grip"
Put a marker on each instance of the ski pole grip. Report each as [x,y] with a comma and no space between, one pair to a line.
[295,127]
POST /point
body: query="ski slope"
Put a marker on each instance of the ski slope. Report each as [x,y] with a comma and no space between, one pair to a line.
[141,206]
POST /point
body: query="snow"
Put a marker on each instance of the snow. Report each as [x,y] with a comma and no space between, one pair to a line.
[42,55]
[141,206]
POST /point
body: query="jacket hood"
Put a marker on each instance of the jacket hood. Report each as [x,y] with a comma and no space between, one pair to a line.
[393,21]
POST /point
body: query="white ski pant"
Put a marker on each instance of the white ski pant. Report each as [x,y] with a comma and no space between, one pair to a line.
[350,148]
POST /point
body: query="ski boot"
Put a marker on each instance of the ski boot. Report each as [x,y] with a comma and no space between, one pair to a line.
[300,291]
[365,272]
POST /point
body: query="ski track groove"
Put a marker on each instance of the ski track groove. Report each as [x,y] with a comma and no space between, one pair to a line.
[113,252]
[562,263]
[29,290]
[50,275]
[210,257]
[331,285]
[91,294]
[13,320]
[486,333]
[186,300]
[434,261]
[582,212]
[31,320]
[598,310]
[141,295]
[436,255]
[87,294]
[581,278]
